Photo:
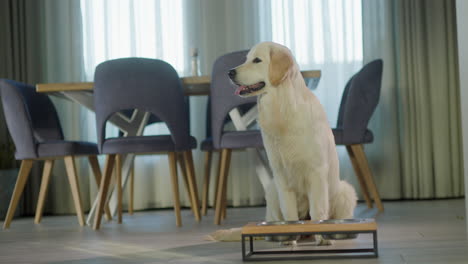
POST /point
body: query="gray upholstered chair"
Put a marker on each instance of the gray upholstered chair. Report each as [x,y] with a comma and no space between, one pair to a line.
[223,100]
[152,119]
[359,100]
[207,147]
[153,86]
[34,125]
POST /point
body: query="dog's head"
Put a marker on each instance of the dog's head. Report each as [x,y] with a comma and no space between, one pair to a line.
[267,66]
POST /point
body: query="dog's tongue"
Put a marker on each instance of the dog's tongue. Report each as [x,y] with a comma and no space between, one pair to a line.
[239,89]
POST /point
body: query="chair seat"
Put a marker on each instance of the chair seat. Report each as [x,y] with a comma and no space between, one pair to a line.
[242,139]
[207,144]
[64,148]
[141,144]
[340,140]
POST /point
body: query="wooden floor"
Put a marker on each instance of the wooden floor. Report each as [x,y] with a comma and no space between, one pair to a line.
[409,232]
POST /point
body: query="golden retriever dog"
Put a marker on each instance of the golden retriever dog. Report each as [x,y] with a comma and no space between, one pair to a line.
[298,140]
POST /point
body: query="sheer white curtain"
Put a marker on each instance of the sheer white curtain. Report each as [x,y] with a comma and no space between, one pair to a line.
[127,28]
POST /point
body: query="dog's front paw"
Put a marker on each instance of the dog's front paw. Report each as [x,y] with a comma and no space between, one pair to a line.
[320,241]
[289,243]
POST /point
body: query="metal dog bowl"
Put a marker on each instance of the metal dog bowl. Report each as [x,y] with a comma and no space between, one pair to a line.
[341,236]
[279,238]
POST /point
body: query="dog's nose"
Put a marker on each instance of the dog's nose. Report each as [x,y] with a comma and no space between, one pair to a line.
[232,73]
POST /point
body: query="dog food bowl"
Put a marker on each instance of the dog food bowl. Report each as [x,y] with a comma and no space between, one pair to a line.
[280,238]
[341,236]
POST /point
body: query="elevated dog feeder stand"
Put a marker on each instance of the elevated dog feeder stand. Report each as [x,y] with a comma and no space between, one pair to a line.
[343,228]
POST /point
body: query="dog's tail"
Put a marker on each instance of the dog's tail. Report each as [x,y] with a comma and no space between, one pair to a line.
[227,235]
[233,234]
[343,202]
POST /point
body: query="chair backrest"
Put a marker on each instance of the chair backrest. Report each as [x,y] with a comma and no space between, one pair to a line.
[242,110]
[149,85]
[223,98]
[359,100]
[31,117]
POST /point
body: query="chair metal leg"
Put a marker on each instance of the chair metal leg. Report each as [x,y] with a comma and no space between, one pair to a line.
[206,181]
[19,187]
[46,173]
[369,179]
[75,188]
[224,170]
[192,184]
[175,187]
[118,180]
[94,163]
[103,189]
[359,176]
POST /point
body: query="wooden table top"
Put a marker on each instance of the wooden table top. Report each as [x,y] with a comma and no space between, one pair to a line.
[193,85]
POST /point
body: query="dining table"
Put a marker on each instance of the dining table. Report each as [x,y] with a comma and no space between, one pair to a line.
[82,93]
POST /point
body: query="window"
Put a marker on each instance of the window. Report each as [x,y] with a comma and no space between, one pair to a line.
[318,30]
[128,28]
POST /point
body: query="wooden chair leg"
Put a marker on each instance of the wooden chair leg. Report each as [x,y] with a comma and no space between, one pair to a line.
[218,173]
[358,150]
[181,160]
[224,169]
[19,187]
[192,182]
[118,180]
[175,187]
[75,188]
[47,171]
[94,163]
[103,189]
[224,204]
[359,176]
[206,182]
[131,190]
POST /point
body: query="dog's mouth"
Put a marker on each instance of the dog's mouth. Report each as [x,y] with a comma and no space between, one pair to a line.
[248,89]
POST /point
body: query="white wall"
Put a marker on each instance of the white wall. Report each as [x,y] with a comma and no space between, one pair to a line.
[462,22]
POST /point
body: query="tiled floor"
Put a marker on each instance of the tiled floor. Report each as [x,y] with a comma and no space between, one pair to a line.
[409,232]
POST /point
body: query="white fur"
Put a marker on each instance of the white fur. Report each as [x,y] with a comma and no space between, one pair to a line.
[298,141]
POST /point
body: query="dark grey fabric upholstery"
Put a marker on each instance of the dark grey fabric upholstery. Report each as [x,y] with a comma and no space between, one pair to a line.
[358,103]
[207,144]
[146,84]
[339,137]
[18,119]
[140,144]
[242,139]
[66,148]
[223,100]
[34,125]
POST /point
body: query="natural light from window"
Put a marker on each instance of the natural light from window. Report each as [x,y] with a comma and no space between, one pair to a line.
[127,28]
[317,30]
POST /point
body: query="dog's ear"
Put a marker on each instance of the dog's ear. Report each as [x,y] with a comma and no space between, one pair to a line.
[280,63]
